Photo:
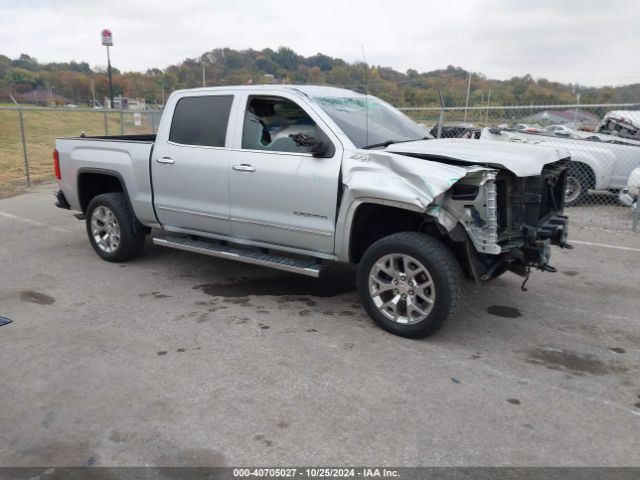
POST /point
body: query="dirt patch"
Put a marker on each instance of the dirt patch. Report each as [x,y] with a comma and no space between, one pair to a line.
[154,295]
[264,440]
[570,273]
[289,298]
[30,296]
[572,362]
[504,312]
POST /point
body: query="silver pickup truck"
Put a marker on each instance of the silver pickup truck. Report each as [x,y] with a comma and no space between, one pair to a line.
[296,177]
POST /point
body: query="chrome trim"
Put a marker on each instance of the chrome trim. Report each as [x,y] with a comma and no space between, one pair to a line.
[245,150]
[207,147]
[272,152]
[191,212]
[236,256]
[244,167]
[249,242]
[321,233]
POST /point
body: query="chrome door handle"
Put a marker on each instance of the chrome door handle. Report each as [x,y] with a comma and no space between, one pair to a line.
[244,168]
[166,160]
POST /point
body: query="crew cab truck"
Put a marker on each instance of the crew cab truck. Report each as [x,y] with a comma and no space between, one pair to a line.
[294,177]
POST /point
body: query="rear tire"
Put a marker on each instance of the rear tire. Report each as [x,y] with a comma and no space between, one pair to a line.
[410,284]
[114,232]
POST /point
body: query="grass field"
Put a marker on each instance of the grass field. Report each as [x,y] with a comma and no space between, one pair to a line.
[41,129]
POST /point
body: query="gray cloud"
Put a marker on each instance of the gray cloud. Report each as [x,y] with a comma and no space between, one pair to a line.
[588,42]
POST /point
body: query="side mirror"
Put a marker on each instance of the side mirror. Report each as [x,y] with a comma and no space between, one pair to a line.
[320,148]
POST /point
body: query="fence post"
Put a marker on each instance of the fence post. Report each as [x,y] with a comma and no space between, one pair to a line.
[24,143]
[121,118]
[441,119]
[106,127]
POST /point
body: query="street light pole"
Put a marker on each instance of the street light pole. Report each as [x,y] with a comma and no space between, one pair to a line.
[110,79]
[107,41]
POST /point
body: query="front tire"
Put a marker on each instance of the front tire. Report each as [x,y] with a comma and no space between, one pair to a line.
[410,284]
[580,179]
[114,232]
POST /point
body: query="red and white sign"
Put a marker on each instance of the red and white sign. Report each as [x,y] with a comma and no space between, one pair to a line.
[107,38]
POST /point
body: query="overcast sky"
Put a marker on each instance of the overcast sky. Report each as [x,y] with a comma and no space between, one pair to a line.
[585,41]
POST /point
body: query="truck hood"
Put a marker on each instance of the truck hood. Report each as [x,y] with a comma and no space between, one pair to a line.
[522,160]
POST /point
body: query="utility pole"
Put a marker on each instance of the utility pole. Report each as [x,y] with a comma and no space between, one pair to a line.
[93,94]
[488,104]
[203,78]
[107,41]
[466,105]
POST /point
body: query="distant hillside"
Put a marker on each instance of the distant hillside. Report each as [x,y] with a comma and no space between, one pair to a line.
[231,67]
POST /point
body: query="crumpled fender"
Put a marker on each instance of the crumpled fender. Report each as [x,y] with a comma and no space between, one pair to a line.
[391,179]
[398,178]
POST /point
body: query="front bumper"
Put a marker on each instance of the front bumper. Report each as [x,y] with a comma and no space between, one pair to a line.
[531,250]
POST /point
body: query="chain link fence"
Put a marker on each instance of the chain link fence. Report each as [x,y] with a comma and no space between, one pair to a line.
[603,141]
[28,134]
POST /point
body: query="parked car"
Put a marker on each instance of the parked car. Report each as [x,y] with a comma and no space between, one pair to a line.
[456,131]
[621,123]
[630,194]
[293,177]
[598,162]
[523,127]
[561,131]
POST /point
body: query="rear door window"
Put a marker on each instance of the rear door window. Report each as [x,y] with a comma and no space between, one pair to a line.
[201,121]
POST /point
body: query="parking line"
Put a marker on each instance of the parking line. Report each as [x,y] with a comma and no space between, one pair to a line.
[32,222]
[605,245]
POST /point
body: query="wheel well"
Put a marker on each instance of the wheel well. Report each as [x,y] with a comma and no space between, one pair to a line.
[372,222]
[91,185]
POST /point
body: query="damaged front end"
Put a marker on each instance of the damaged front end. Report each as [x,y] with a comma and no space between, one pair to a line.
[505,222]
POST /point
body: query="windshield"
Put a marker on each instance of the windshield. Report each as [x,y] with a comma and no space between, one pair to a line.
[385,123]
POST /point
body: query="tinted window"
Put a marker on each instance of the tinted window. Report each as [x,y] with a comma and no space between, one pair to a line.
[201,120]
[277,124]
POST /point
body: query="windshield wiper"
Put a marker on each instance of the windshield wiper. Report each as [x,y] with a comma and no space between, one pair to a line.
[391,142]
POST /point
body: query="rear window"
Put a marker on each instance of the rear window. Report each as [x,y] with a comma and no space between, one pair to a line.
[201,120]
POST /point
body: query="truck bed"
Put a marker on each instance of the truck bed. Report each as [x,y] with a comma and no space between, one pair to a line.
[125,157]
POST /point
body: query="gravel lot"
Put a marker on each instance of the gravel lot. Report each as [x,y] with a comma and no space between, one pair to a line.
[180,359]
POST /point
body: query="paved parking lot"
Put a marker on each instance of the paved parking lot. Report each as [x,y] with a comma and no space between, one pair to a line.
[180,359]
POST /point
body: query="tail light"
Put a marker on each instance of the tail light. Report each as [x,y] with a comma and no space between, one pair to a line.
[56,165]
